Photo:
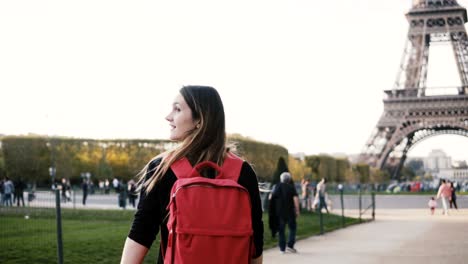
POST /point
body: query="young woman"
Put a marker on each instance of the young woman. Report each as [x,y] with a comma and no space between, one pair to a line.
[197,122]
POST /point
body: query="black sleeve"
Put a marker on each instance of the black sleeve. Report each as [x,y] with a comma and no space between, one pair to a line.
[147,218]
[294,190]
[275,191]
[248,179]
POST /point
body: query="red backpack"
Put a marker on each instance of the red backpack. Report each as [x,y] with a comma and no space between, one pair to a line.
[209,219]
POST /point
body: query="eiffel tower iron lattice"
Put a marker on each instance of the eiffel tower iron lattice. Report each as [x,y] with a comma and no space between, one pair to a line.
[413,111]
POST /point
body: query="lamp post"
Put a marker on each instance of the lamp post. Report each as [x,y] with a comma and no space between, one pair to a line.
[52,171]
[340,187]
[58,214]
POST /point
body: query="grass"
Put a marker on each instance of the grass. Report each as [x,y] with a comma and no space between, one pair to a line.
[97,236]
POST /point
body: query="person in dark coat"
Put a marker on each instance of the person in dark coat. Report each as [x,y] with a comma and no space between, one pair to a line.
[453,197]
[286,201]
[122,197]
[84,187]
[19,191]
[273,223]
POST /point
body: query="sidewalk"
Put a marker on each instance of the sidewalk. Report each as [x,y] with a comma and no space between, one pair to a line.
[397,236]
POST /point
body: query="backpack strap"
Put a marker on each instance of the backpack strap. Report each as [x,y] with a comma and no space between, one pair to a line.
[181,168]
[232,167]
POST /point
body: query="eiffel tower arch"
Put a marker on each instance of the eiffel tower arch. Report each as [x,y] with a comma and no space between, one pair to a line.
[412,111]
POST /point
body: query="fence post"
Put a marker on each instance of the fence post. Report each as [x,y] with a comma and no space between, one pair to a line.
[340,187]
[373,205]
[321,219]
[74,197]
[360,203]
[59,227]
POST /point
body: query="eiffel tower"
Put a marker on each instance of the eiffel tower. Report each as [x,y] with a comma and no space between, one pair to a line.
[413,111]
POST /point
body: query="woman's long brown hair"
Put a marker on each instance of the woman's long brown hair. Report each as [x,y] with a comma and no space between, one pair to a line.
[206,143]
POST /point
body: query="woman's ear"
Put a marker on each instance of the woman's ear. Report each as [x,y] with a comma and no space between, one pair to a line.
[197,123]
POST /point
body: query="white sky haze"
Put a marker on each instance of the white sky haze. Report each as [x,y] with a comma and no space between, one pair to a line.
[308,75]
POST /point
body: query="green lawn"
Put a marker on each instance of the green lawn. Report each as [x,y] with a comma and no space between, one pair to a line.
[97,236]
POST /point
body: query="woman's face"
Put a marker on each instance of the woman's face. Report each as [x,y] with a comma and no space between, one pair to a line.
[180,119]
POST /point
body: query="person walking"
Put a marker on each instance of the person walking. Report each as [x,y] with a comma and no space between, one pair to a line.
[432,205]
[2,191]
[132,194]
[197,122]
[122,196]
[322,194]
[8,190]
[306,204]
[84,188]
[107,186]
[19,191]
[453,196]
[444,193]
[286,202]
[66,190]
[115,184]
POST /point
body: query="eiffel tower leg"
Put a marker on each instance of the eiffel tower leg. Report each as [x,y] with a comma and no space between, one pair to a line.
[460,48]
[398,169]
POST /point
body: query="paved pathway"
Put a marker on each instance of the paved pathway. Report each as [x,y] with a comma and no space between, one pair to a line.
[397,236]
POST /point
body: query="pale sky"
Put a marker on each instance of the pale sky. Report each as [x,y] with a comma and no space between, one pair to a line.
[308,75]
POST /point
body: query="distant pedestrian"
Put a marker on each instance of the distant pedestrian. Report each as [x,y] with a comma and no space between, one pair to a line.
[306,204]
[107,186]
[122,197]
[84,187]
[2,191]
[19,191]
[321,195]
[66,190]
[286,202]
[8,190]
[101,186]
[444,193]
[91,186]
[115,184]
[132,193]
[453,197]
[432,205]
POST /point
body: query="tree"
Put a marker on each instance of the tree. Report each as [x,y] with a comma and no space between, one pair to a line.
[407,173]
[2,167]
[262,156]
[378,176]
[363,172]
[313,162]
[63,153]
[298,169]
[342,166]
[30,157]
[416,165]
[327,168]
[26,157]
[281,167]
[428,177]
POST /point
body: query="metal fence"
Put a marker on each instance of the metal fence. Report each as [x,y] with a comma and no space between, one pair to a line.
[36,227]
[350,201]
[42,211]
